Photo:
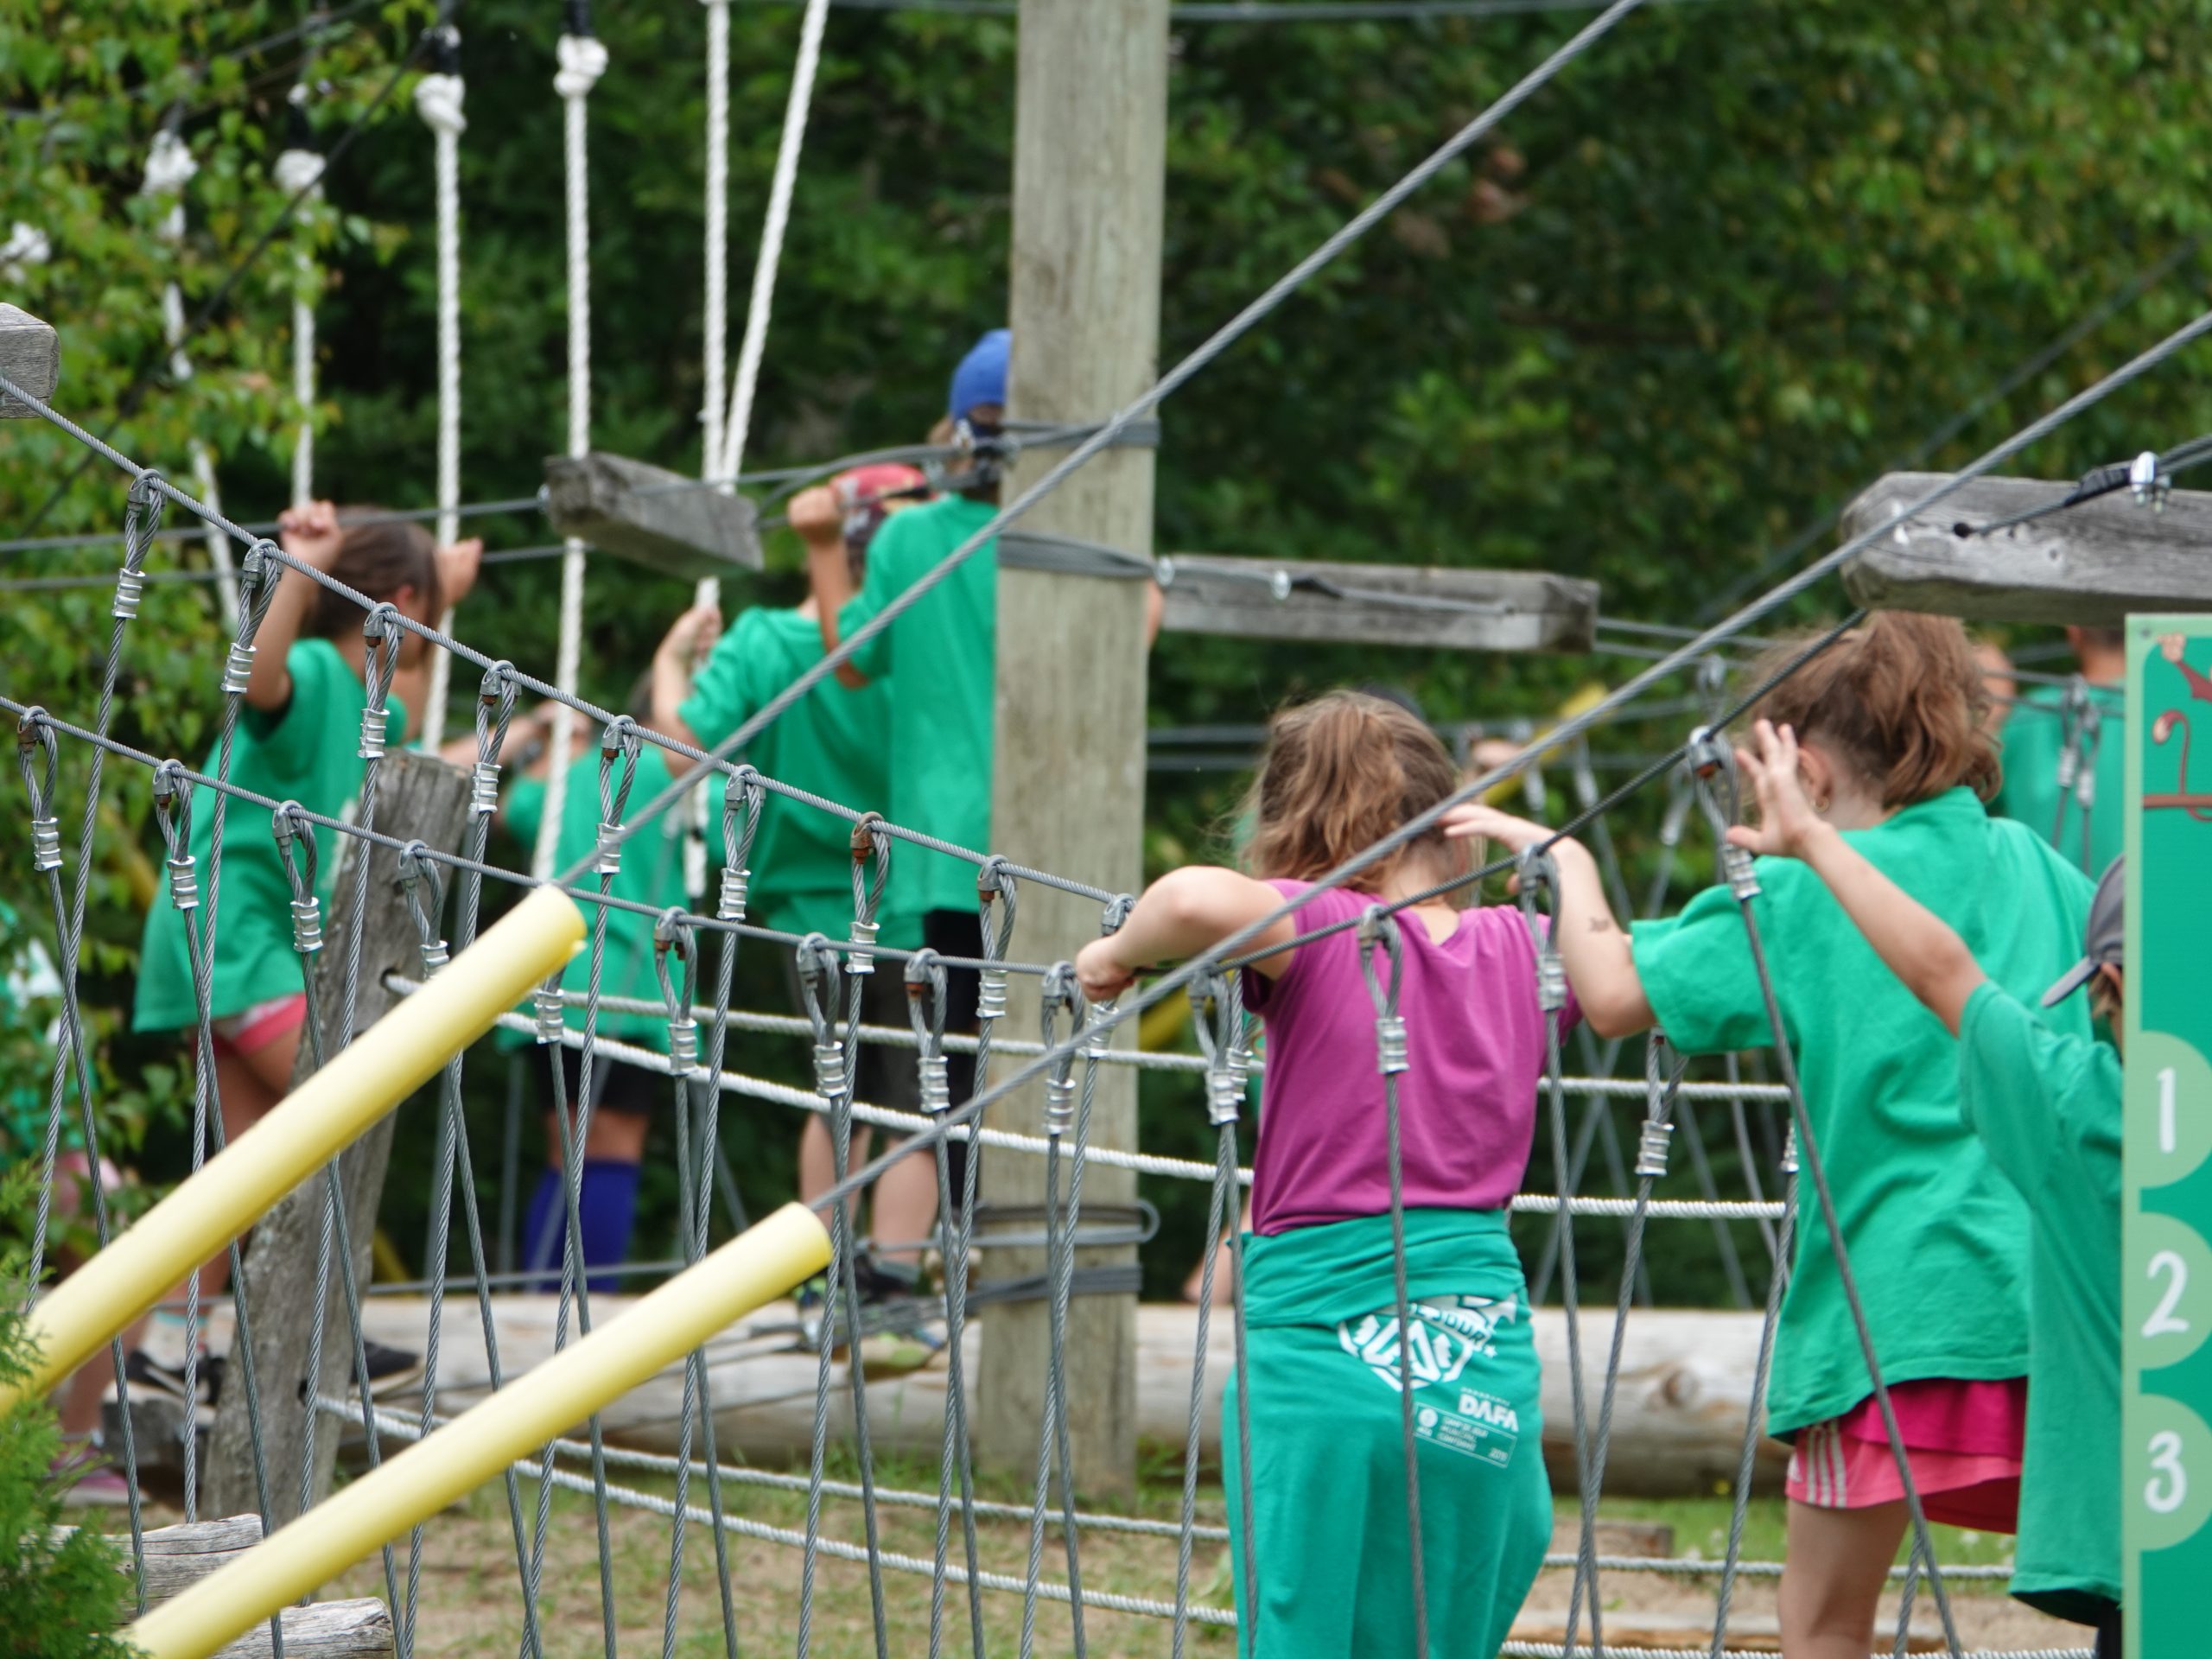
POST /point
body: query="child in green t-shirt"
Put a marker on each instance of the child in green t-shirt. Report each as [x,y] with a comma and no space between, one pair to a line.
[1891,718]
[2047,1104]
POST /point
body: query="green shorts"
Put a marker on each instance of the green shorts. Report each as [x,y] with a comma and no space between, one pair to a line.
[1329,1542]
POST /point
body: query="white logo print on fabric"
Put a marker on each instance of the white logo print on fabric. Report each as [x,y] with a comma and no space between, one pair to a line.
[1445,1335]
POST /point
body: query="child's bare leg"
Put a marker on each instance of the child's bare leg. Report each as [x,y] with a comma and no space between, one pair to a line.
[250,1084]
[94,1381]
[1836,1565]
[905,1207]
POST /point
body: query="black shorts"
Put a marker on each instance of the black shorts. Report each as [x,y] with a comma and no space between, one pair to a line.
[882,1075]
[616,1085]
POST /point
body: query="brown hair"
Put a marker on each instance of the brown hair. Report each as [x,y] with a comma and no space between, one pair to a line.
[1900,699]
[376,556]
[1341,773]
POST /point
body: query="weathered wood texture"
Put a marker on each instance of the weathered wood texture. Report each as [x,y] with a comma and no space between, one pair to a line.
[2091,564]
[660,519]
[1447,609]
[31,355]
[1068,789]
[1678,1420]
[420,799]
[324,1630]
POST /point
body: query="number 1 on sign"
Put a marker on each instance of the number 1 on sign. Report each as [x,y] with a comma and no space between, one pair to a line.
[2166,1089]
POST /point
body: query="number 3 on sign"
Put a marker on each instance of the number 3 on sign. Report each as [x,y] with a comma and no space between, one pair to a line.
[2168,1488]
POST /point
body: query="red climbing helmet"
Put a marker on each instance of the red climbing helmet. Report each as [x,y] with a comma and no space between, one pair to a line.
[871,494]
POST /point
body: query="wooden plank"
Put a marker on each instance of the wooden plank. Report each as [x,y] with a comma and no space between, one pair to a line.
[660,519]
[1379,604]
[419,798]
[1069,748]
[31,355]
[358,1629]
[1665,1632]
[2091,564]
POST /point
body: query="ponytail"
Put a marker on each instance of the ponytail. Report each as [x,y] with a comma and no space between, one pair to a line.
[376,556]
[1900,699]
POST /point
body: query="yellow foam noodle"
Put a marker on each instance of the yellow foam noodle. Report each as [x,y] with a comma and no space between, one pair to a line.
[309,1127]
[752,1269]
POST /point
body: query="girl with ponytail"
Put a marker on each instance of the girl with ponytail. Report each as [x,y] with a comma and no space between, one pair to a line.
[1321,1379]
[1894,750]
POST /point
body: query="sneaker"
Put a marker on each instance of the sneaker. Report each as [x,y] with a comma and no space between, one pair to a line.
[142,1367]
[389,1368]
[90,1483]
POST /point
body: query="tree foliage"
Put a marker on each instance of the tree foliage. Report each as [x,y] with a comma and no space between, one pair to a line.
[1708,284]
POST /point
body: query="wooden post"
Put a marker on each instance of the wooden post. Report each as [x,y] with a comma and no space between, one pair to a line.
[31,355]
[2092,565]
[419,798]
[1068,786]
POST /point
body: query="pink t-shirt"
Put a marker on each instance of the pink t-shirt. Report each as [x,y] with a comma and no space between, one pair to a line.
[1468,1103]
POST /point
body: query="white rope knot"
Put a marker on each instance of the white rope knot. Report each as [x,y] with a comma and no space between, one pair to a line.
[297,170]
[169,165]
[437,100]
[583,60]
[26,245]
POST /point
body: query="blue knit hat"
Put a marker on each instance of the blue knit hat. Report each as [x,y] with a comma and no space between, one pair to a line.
[981,377]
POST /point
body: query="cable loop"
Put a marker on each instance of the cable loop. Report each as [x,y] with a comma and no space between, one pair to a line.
[289,822]
[418,870]
[818,982]
[495,711]
[1540,874]
[35,731]
[619,748]
[1116,913]
[381,628]
[1217,1010]
[1379,936]
[1663,1076]
[995,886]
[742,799]
[925,1006]
[673,937]
[2073,712]
[1061,995]
[173,813]
[871,845]
[1711,761]
[143,512]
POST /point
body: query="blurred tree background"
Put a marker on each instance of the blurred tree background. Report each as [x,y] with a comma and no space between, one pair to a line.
[1733,264]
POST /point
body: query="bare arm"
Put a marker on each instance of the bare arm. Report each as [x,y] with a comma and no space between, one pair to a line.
[819,519]
[1183,912]
[675,661]
[1595,950]
[1918,946]
[310,534]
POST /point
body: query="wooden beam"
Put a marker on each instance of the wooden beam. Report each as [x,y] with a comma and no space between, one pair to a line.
[2093,564]
[1379,604]
[660,519]
[419,798]
[31,355]
[1090,165]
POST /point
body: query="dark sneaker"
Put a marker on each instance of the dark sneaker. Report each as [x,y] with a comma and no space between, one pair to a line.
[389,1368]
[142,1367]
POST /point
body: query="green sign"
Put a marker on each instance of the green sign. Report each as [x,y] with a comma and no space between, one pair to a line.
[2166,1263]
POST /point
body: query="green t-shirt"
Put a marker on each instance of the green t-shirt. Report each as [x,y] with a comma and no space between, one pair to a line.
[651,873]
[2033,737]
[832,742]
[31,1003]
[1937,1243]
[941,659]
[2047,1106]
[308,752]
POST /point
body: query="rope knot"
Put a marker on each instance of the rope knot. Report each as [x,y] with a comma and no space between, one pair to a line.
[169,165]
[297,172]
[437,100]
[583,60]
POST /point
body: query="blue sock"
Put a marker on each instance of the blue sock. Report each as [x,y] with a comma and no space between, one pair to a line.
[608,1207]
[541,1233]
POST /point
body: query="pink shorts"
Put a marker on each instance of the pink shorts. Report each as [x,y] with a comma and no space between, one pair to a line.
[262,1024]
[1963,1440]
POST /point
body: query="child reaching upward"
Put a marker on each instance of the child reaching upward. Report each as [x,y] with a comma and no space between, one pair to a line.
[2047,1105]
[1328,1531]
[1897,759]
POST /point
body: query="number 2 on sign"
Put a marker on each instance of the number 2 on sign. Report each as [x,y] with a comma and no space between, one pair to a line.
[2163,1321]
[2166,1086]
[2168,1488]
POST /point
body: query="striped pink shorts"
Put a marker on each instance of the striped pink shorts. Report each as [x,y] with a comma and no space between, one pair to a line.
[1963,1440]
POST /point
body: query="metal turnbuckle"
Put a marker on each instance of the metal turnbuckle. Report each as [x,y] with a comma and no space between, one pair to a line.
[1059,1105]
[829,1080]
[683,1046]
[552,1013]
[184,883]
[237,667]
[937,1085]
[1651,1151]
[861,958]
[609,860]
[484,788]
[990,994]
[374,722]
[307,925]
[46,843]
[1390,1043]
[1743,877]
[735,892]
[130,589]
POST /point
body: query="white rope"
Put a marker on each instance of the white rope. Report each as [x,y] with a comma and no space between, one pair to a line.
[711,368]
[298,171]
[771,238]
[1144,1163]
[583,60]
[438,101]
[170,167]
